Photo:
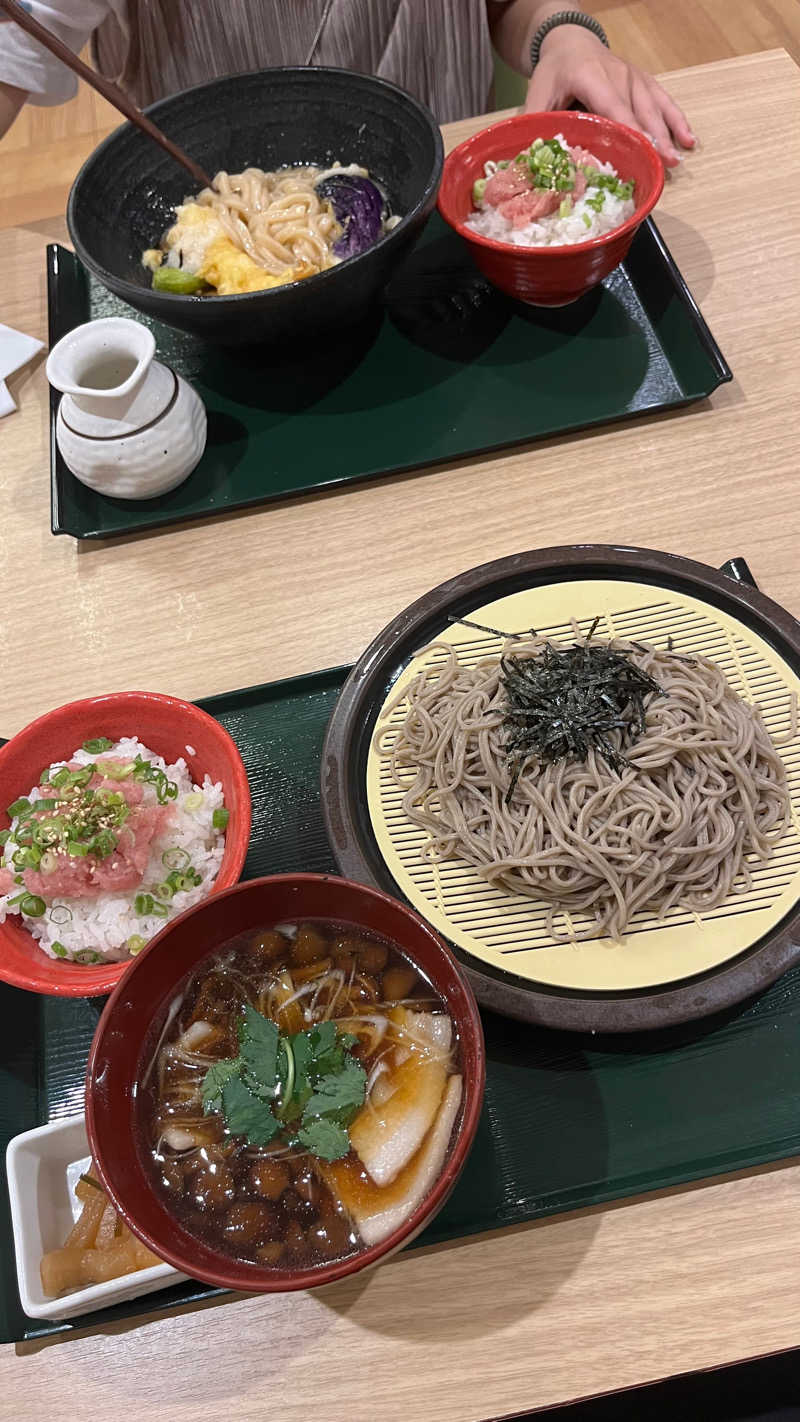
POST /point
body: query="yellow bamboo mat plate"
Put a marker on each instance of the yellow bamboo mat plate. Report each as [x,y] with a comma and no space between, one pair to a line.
[508,931]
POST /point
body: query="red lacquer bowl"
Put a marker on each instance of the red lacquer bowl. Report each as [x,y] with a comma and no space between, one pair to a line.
[129,1029]
[164,724]
[550,276]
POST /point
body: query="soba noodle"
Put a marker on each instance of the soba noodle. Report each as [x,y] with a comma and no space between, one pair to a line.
[704,792]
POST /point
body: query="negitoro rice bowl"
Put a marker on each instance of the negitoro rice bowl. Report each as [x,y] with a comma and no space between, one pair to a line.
[550,195]
[108,847]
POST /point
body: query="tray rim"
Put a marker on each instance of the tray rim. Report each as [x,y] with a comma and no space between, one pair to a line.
[750,972]
[721,373]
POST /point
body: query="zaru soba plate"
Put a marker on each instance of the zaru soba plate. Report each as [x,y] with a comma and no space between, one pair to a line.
[669,969]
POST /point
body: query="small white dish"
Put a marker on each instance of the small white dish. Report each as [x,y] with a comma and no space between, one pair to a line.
[43,1167]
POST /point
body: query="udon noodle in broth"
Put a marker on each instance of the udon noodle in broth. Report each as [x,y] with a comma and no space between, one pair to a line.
[302,1097]
[258,229]
[669,805]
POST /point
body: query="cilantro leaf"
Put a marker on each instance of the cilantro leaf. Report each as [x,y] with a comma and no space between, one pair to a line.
[246,1114]
[277,1084]
[338,1095]
[259,1050]
[316,1053]
[325,1139]
[214,1080]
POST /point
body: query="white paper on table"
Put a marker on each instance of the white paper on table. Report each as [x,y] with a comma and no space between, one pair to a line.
[7,403]
[16,350]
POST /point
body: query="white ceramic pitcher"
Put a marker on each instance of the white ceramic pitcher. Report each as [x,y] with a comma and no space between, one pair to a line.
[127,425]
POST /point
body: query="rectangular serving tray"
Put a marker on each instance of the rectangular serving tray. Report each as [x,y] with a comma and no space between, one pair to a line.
[568,1120]
[448,368]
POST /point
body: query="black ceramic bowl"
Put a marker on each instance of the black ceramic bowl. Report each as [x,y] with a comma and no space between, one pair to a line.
[122,199]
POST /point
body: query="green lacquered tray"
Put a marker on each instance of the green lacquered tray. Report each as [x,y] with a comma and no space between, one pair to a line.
[568,1120]
[448,368]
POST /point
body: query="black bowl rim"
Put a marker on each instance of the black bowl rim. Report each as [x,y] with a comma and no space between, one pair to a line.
[231,302]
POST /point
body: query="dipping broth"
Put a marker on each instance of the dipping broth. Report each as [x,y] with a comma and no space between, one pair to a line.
[302,1098]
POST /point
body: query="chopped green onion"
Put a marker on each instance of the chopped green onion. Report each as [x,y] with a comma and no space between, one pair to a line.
[59,914]
[32,906]
[101,743]
[79,778]
[59,949]
[87,955]
[17,899]
[143,904]
[164,890]
[587,221]
[60,778]
[115,769]
[27,858]
[48,831]
[220,818]
[23,834]
[135,944]
[112,798]
[103,844]
[160,910]
[176,858]
[4,834]
[192,802]
[23,803]
[478,190]
[45,804]
[76,849]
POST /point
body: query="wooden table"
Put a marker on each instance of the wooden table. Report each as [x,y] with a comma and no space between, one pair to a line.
[605,1298]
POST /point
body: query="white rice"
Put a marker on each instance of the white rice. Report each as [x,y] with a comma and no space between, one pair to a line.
[581,225]
[104,924]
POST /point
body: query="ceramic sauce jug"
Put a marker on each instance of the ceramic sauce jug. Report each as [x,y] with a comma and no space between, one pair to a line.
[127,425]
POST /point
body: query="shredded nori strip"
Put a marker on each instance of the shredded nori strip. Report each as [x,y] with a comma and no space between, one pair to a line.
[479,626]
[565,701]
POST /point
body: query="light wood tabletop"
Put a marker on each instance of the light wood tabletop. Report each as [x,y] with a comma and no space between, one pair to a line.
[602,1299]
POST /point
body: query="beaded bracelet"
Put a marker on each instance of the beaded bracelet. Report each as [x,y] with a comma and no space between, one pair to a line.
[565,17]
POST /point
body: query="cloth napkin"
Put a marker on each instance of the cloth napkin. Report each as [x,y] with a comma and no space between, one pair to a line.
[15,351]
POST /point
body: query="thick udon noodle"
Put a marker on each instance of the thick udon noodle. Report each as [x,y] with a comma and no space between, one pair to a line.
[705,790]
[275,217]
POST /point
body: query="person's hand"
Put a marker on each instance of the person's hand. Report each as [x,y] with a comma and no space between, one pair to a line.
[575,64]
